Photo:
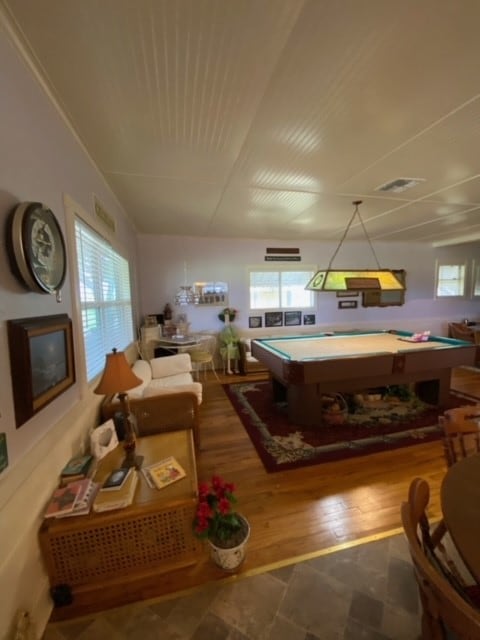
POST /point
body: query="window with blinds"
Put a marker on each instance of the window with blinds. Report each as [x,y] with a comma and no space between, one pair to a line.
[450,280]
[105,299]
[280,289]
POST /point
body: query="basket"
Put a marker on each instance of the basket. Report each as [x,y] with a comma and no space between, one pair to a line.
[334,409]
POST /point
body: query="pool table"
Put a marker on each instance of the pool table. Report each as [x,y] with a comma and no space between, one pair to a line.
[303,368]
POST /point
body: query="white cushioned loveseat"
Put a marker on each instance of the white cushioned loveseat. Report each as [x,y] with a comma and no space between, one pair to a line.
[170,374]
[167,399]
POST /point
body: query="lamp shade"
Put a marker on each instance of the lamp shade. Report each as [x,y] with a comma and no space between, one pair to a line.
[355,280]
[117,376]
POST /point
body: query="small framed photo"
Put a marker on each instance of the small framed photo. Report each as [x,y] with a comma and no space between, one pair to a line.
[273,319]
[347,294]
[255,322]
[347,304]
[309,318]
[292,318]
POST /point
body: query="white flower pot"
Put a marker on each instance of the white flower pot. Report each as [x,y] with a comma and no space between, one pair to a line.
[231,558]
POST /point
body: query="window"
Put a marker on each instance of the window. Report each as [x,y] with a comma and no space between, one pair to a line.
[280,289]
[476,280]
[105,300]
[450,280]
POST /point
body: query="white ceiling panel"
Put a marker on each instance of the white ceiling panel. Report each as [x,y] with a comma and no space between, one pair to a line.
[266,118]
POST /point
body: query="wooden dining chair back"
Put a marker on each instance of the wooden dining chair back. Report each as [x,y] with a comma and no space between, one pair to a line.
[447,605]
[461,432]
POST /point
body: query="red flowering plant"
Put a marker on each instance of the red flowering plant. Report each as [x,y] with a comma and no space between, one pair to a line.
[215,520]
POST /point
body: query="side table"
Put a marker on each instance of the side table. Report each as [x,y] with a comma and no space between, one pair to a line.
[86,554]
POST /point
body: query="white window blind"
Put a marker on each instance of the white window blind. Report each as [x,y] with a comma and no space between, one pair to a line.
[280,289]
[450,280]
[105,298]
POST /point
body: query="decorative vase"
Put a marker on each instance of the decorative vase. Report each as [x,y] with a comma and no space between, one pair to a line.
[230,558]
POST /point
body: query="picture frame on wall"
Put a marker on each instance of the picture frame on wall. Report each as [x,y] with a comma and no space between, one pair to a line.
[41,362]
[347,304]
[309,318]
[254,322]
[273,319]
[292,318]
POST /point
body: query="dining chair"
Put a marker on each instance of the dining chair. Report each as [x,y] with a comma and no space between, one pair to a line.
[203,355]
[448,605]
[461,432]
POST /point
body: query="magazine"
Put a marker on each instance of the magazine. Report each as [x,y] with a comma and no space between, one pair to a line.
[62,501]
[162,473]
[88,491]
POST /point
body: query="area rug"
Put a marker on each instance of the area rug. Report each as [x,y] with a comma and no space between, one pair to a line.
[376,426]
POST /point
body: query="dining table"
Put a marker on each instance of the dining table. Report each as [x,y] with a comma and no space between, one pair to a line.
[460,502]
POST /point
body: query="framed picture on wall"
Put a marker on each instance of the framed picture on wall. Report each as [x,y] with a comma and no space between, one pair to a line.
[347,304]
[292,318]
[309,318]
[41,362]
[273,319]
[255,322]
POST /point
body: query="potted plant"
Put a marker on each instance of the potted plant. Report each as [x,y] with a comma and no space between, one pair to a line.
[226,531]
[228,314]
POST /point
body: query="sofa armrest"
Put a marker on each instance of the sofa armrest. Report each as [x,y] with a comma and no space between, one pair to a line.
[161,413]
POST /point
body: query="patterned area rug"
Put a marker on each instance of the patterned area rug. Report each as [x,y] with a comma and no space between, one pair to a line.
[363,426]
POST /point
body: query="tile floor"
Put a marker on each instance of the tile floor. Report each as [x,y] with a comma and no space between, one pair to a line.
[365,592]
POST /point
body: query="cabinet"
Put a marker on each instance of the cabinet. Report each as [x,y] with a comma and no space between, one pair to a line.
[153,535]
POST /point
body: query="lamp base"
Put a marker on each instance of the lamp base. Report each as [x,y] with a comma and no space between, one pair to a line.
[131,460]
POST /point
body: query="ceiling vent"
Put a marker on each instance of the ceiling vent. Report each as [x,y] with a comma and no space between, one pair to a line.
[400,184]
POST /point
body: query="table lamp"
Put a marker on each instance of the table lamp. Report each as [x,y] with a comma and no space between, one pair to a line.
[117,378]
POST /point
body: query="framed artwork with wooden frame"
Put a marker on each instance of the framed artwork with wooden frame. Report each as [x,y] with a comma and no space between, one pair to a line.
[41,362]
[376,298]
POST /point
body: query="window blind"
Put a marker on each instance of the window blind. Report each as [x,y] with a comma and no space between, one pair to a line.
[105,297]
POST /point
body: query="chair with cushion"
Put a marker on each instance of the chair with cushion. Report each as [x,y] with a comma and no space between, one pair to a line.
[202,355]
[167,397]
[448,604]
[461,432]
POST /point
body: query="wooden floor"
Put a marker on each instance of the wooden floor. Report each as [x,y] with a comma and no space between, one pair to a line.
[299,512]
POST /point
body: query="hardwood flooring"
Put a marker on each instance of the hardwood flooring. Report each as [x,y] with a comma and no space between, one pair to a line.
[293,514]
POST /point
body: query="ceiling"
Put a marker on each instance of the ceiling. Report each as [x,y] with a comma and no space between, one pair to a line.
[267,118]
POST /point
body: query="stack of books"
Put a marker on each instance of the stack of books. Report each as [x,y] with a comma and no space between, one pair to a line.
[117,491]
[77,468]
[75,499]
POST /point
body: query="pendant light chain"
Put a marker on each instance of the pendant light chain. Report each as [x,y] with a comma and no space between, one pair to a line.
[355,213]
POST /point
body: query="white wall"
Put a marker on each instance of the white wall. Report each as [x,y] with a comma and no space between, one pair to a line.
[41,161]
[161,271]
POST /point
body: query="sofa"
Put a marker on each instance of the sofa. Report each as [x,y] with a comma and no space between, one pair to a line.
[167,399]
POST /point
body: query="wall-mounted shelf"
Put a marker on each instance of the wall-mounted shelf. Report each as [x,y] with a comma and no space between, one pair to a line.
[211,293]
